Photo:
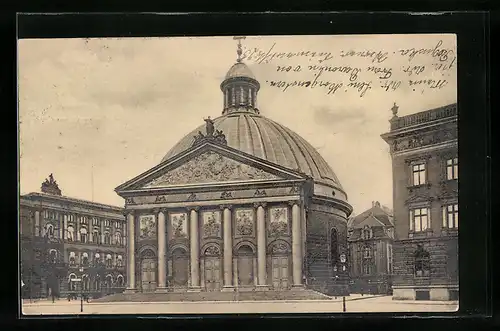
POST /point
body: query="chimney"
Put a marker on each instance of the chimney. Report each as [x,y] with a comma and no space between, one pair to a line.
[377,204]
[373,203]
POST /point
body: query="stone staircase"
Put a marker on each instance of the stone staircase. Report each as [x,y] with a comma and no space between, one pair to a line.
[302,294]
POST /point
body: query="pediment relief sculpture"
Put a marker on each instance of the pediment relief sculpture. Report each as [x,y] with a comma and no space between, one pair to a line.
[210,167]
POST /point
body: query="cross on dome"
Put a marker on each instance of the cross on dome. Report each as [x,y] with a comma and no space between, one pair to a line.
[239,51]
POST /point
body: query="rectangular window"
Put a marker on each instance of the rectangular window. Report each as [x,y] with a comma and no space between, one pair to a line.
[452,168]
[418,171]
[450,216]
[419,219]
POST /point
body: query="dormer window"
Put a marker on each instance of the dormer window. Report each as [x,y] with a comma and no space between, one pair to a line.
[367,232]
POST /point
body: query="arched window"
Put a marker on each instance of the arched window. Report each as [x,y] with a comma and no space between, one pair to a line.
[49,230]
[97,258]
[86,282]
[72,284]
[96,237]
[119,261]
[120,281]
[107,238]
[71,233]
[97,283]
[83,235]
[109,281]
[118,238]
[72,258]
[422,262]
[334,246]
[85,259]
[109,261]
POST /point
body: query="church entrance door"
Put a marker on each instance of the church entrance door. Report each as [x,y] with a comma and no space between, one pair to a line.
[180,267]
[148,274]
[280,272]
[245,266]
[212,273]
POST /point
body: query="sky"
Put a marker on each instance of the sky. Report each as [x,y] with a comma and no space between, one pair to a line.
[103,111]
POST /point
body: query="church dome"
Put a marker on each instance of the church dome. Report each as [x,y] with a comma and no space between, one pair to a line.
[240,70]
[250,132]
[259,136]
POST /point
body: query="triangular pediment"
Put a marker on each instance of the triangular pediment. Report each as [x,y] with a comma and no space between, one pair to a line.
[209,164]
[209,167]
[417,199]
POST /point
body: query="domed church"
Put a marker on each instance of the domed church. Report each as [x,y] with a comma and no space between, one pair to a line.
[241,203]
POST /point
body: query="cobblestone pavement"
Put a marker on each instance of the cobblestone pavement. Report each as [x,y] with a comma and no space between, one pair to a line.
[355,304]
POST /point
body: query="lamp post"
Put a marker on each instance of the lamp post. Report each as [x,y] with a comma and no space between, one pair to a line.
[81,296]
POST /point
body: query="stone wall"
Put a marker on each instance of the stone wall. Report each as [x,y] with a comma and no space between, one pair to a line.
[319,267]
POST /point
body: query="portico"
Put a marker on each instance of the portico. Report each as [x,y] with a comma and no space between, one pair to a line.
[238,240]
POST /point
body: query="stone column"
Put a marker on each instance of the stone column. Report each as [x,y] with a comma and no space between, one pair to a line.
[131,252]
[161,234]
[37,223]
[194,250]
[228,248]
[65,227]
[296,244]
[261,244]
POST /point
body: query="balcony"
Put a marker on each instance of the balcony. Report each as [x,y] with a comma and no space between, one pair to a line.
[424,117]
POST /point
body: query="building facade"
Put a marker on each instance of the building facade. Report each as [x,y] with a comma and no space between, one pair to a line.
[240,203]
[69,245]
[424,149]
[370,238]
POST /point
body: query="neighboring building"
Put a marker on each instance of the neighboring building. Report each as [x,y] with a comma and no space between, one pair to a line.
[240,202]
[370,238]
[424,149]
[63,238]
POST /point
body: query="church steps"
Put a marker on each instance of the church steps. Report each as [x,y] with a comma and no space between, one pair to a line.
[304,294]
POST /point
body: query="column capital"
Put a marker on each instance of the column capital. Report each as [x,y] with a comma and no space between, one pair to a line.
[260,204]
[191,208]
[294,202]
[156,211]
[128,212]
[222,207]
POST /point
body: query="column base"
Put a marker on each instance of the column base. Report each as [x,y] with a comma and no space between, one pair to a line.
[130,291]
[228,288]
[300,287]
[194,289]
[262,288]
[161,290]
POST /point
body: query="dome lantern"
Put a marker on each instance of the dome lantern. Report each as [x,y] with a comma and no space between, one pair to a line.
[240,87]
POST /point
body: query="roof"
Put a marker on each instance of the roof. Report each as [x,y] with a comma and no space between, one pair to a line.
[240,69]
[377,215]
[39,196]
[259,136]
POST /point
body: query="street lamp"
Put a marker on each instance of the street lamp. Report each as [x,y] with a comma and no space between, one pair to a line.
[81,295]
